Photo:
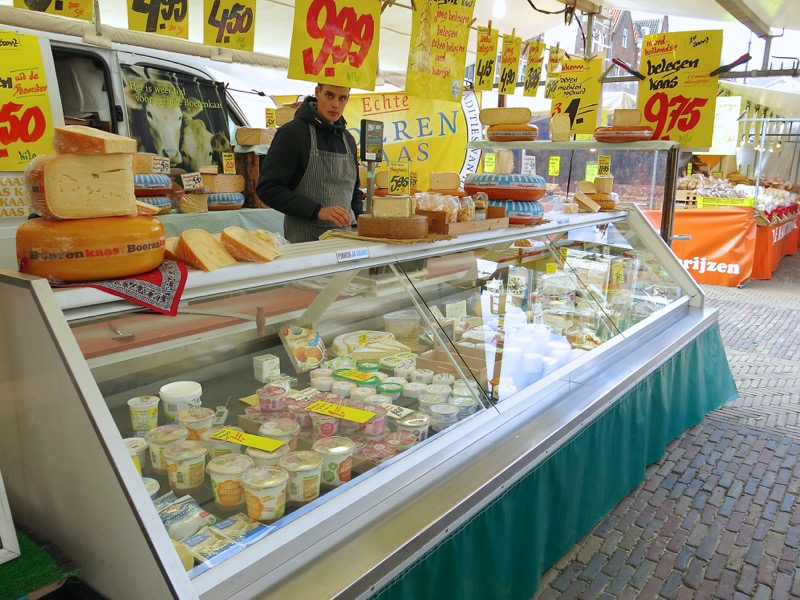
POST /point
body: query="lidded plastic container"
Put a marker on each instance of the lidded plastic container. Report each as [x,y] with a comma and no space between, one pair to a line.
[226,479]
[265,493]
[186,466]
[304,469]
[161,437]
[337,459]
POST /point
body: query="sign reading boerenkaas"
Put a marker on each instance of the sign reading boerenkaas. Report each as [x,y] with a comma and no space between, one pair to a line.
[336,42]
[677,97]
[577,93]
[438,52]
[485,58]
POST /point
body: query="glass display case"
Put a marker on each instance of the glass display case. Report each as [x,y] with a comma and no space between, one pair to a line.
[289,408]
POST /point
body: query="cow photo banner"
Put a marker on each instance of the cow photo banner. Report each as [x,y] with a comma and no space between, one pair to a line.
[533,68]
[229,24]
[577,93]
[167,18]
[438,53]
[76,9]
[485,58]
[177,116]
[336,42]
[678,95]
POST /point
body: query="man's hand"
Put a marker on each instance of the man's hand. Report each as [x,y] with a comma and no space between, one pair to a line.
[335,214]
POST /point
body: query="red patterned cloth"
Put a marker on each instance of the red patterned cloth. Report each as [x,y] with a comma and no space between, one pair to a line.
[159,289]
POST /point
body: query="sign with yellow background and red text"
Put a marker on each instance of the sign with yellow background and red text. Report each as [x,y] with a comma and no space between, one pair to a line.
[438,53]
[533,68]
[577,93]
[336,42]
[554,58]
[509,64]
[77,9]
[171,19]
[229,24]
[485,58]
[430,134]
[677,97]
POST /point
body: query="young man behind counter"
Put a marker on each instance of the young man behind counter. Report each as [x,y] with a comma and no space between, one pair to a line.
[310,172]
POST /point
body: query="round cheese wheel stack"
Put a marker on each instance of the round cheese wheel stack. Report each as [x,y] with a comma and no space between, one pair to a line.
[521,213]
[525,188]
[512,133]
[225,201]
[632,133]
[151,184]
[398,228]
[90,249]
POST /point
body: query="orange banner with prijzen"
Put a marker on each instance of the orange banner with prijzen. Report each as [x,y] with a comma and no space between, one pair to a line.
[723,244]
[773,242]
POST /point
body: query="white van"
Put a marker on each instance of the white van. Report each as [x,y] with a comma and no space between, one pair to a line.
[169,103]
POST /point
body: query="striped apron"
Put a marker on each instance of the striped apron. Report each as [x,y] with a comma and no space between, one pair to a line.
[329,179]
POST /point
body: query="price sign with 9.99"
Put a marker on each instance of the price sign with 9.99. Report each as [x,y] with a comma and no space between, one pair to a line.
[26,126]
[336,42]
[678,95]
[230,24]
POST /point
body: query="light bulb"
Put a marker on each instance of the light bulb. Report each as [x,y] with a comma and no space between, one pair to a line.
[499,9]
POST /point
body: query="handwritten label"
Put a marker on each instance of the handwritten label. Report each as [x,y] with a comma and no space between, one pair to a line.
[271,118]
[399,178]
[353,374]
[554,166]
[509,64]
[489,162]
[592,171]
[577,94]
[529,164]
[77,9]
[155,16]
[689,169]
[717,174]
[230,24]
[555,56]
[342,412]
[192,181]
[335,42]
[485,58]
[398,412]
[533,68]
[246,439]
[351,255]
[229,163]
[604,164]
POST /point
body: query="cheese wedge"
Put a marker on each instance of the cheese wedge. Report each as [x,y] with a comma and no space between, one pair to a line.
[626,117]
[254,136]
[505,116]
[223,184]
[393,206]
[445,181]
[198,248]
[79,186]
[560,126]
[587,187]
[246,246]
[145,163]
[192,203]
[143,208]
[171,248]
[586,203]
[79,139]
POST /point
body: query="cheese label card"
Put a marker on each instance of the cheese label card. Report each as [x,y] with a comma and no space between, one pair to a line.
[399,178]
[192,181]
[554,166]
[489,162]
[229,163]
[354,375]
[252,400]
[342,412]
[246,439]
[604,165]
[591,171]
[271,118]
[398,412]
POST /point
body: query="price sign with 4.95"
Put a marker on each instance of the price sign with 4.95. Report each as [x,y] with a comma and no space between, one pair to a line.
[678,95]
[336,42]
[230,24]
[26,124]
[159,16]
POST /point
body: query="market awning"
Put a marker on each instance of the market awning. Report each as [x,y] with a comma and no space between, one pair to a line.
[781,102]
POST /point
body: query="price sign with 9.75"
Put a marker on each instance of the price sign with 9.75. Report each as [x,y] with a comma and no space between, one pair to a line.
[678,95]
[336,42]
[26,124]
[230,24]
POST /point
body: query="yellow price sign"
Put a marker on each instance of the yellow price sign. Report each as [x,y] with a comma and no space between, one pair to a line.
[689,169]
[577,93]
[342,412]
[150,16]
[354,375]
[247,439]
[485,58]
[509,64]
[251,400]
[229,163]
[554,166]
[399,178]
[77,9]
[229,24]
[271,117]
[533,68]
[489,162]
[604,165]
[592,171]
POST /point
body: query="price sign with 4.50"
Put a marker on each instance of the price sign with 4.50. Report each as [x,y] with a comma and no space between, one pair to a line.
[336,42]
[157,16]
[230,24]
[26,125]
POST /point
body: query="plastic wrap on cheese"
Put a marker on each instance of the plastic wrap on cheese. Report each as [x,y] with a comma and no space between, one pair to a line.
[304,346]
[367,345]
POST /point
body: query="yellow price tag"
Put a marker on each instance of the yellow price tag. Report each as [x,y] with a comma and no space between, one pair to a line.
[271,118]
[230,24]
[171,20]
[604,165]
[592,171]
[551,268]
[689,169]
[252,400]
[554,166]
[399,178]
[229,163]
[246,439]
[355,375]
[342,412]
[489,162]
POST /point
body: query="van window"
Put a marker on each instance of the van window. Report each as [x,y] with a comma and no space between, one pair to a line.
[84,84]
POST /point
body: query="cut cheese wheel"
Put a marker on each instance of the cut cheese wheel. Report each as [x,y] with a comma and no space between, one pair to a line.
[512,133]
[147,162]
[230,201]
[79,139]
[151,184]
[626,117]
[223,184]
[246,246]
[506,186]
[192,203]
[400,228]
[560,128]
[505,116]
[254,136]
[198,248]
[617,135]
[171,248]
[445,181]
[162,204]
[90,249]
[76,186]
[604,201]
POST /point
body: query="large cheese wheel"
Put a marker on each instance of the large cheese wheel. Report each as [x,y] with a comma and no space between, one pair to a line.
[512,133]
[89,249]
[506,186]
[521,213]
[637,133]
[607,202]
[229,201]
[399,228]
[151,184]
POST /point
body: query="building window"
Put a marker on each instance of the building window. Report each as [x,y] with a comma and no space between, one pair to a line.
[624,38]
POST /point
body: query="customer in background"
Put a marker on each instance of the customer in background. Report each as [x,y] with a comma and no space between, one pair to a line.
[310,172]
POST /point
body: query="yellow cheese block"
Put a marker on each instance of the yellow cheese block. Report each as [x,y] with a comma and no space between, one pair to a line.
[626,117]
[189,202]
[79,139]
[145,163]
[445,181]
[198,248]
[284,114]
[505,116]
[603,184]
[560,126]
[246,246]
[254,136]
[587,187]
[223,184]
[388,207]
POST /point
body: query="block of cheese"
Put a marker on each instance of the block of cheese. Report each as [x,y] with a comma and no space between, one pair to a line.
[445,181]
[246,246]
[90,249]
[587,187]
[603,184]
[254,136]
[382,179]
[626,117]
[171,248]
[208,169]
[347,344]
[189,202]
[284,114]
[560,126]
[388,207]
[586,203]
[146,162]
[505,116]
[198,248]
[223,184]
[79,186]
[396,228]
[143,208]
[79,139]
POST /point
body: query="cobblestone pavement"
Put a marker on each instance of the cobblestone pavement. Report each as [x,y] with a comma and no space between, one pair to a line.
[718,516]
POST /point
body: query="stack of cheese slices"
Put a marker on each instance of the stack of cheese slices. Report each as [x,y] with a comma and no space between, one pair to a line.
[594,196]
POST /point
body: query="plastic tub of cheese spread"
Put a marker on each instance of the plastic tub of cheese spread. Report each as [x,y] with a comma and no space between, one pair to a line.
[265,493]
[178,395]
[285,430]
[144,413]
[219,447]
[416,423]
[226,479]
[197,420]
[137,447]
[186,466]
[337,459]
[152,487]
[324,424]
[159,438]
[262,458]
[304,469]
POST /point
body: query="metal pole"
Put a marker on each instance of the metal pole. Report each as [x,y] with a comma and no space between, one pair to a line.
[767,52]
[589,34]
[670,186]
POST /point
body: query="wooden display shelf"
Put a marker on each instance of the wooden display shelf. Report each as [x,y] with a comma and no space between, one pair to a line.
[437,221]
